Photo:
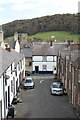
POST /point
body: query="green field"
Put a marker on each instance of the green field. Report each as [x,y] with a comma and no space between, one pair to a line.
[57,34]
[47,36]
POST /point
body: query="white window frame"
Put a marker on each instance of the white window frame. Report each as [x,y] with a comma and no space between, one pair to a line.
[44,67]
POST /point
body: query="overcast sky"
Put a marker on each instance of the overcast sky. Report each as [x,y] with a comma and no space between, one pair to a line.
[11,10]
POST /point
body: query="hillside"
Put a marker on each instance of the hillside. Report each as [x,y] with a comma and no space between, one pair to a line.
[58,22]
[58,35]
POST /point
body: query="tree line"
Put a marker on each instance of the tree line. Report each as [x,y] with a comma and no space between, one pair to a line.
[57,22]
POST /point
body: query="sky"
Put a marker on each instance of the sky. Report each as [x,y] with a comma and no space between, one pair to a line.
[11,10]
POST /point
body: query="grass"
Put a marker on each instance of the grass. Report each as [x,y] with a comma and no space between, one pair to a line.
[57,34]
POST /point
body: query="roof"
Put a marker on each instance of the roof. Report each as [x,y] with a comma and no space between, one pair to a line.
[25,43]
[17,56]
[76,63]
[65,53]
[44,48]
[75,54]
[6,60]
[12,44]
[27,52]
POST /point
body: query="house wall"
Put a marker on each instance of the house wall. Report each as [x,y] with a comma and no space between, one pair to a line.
[2,97]
[9,87]
[0,89]
[0,110]
[19,74]
[51,64]
[23,68]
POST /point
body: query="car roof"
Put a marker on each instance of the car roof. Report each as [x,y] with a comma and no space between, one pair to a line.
[28,78]
[56,83]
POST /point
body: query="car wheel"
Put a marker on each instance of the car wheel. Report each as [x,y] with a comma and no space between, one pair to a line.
[50,92]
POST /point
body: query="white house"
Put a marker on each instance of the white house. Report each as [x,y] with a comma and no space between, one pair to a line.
[12,71]
[6,81]
[20,70]
[44,59]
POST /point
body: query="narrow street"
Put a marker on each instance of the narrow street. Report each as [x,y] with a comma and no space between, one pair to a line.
[39,103]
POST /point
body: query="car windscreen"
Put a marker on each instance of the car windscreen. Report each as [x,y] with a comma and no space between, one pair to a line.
[57,86]
[28,81]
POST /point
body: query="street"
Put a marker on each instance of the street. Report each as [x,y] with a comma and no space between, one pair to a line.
[39,103]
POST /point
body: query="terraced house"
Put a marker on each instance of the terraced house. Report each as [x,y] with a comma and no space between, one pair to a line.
[12,72]
[69,73]
[6,80]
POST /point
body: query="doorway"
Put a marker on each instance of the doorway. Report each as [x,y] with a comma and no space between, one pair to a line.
[36,69]
[8,95]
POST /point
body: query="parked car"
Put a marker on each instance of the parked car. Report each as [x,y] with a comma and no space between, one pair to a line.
[56,88]
[29,83]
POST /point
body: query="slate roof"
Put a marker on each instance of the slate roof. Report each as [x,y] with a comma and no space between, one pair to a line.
[12,44]
[65,53]
[28,44]
[6,60]
[76,63]
[44,48]
[75,54]
[27,52]
[17,56]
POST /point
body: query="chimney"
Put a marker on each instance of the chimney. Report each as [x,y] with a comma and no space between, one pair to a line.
[50,42]
[1,34]
[68,43]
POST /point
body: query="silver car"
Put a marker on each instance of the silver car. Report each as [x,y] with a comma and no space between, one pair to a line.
[56,88]
[28,83]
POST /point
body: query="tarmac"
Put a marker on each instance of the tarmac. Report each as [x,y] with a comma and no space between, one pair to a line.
[34,76]
[42,76]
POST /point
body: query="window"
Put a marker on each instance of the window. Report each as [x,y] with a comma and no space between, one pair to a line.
[6,78]
[16,70]
[44,58]
[44,67]
[19,67]
[12,86]
[11,68]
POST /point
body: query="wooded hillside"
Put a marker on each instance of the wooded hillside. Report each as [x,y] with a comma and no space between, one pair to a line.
[58,22]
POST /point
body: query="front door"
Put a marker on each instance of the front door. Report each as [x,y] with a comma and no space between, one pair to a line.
[36,69]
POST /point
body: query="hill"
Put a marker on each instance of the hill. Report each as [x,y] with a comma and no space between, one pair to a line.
[58,35]
[57,22]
